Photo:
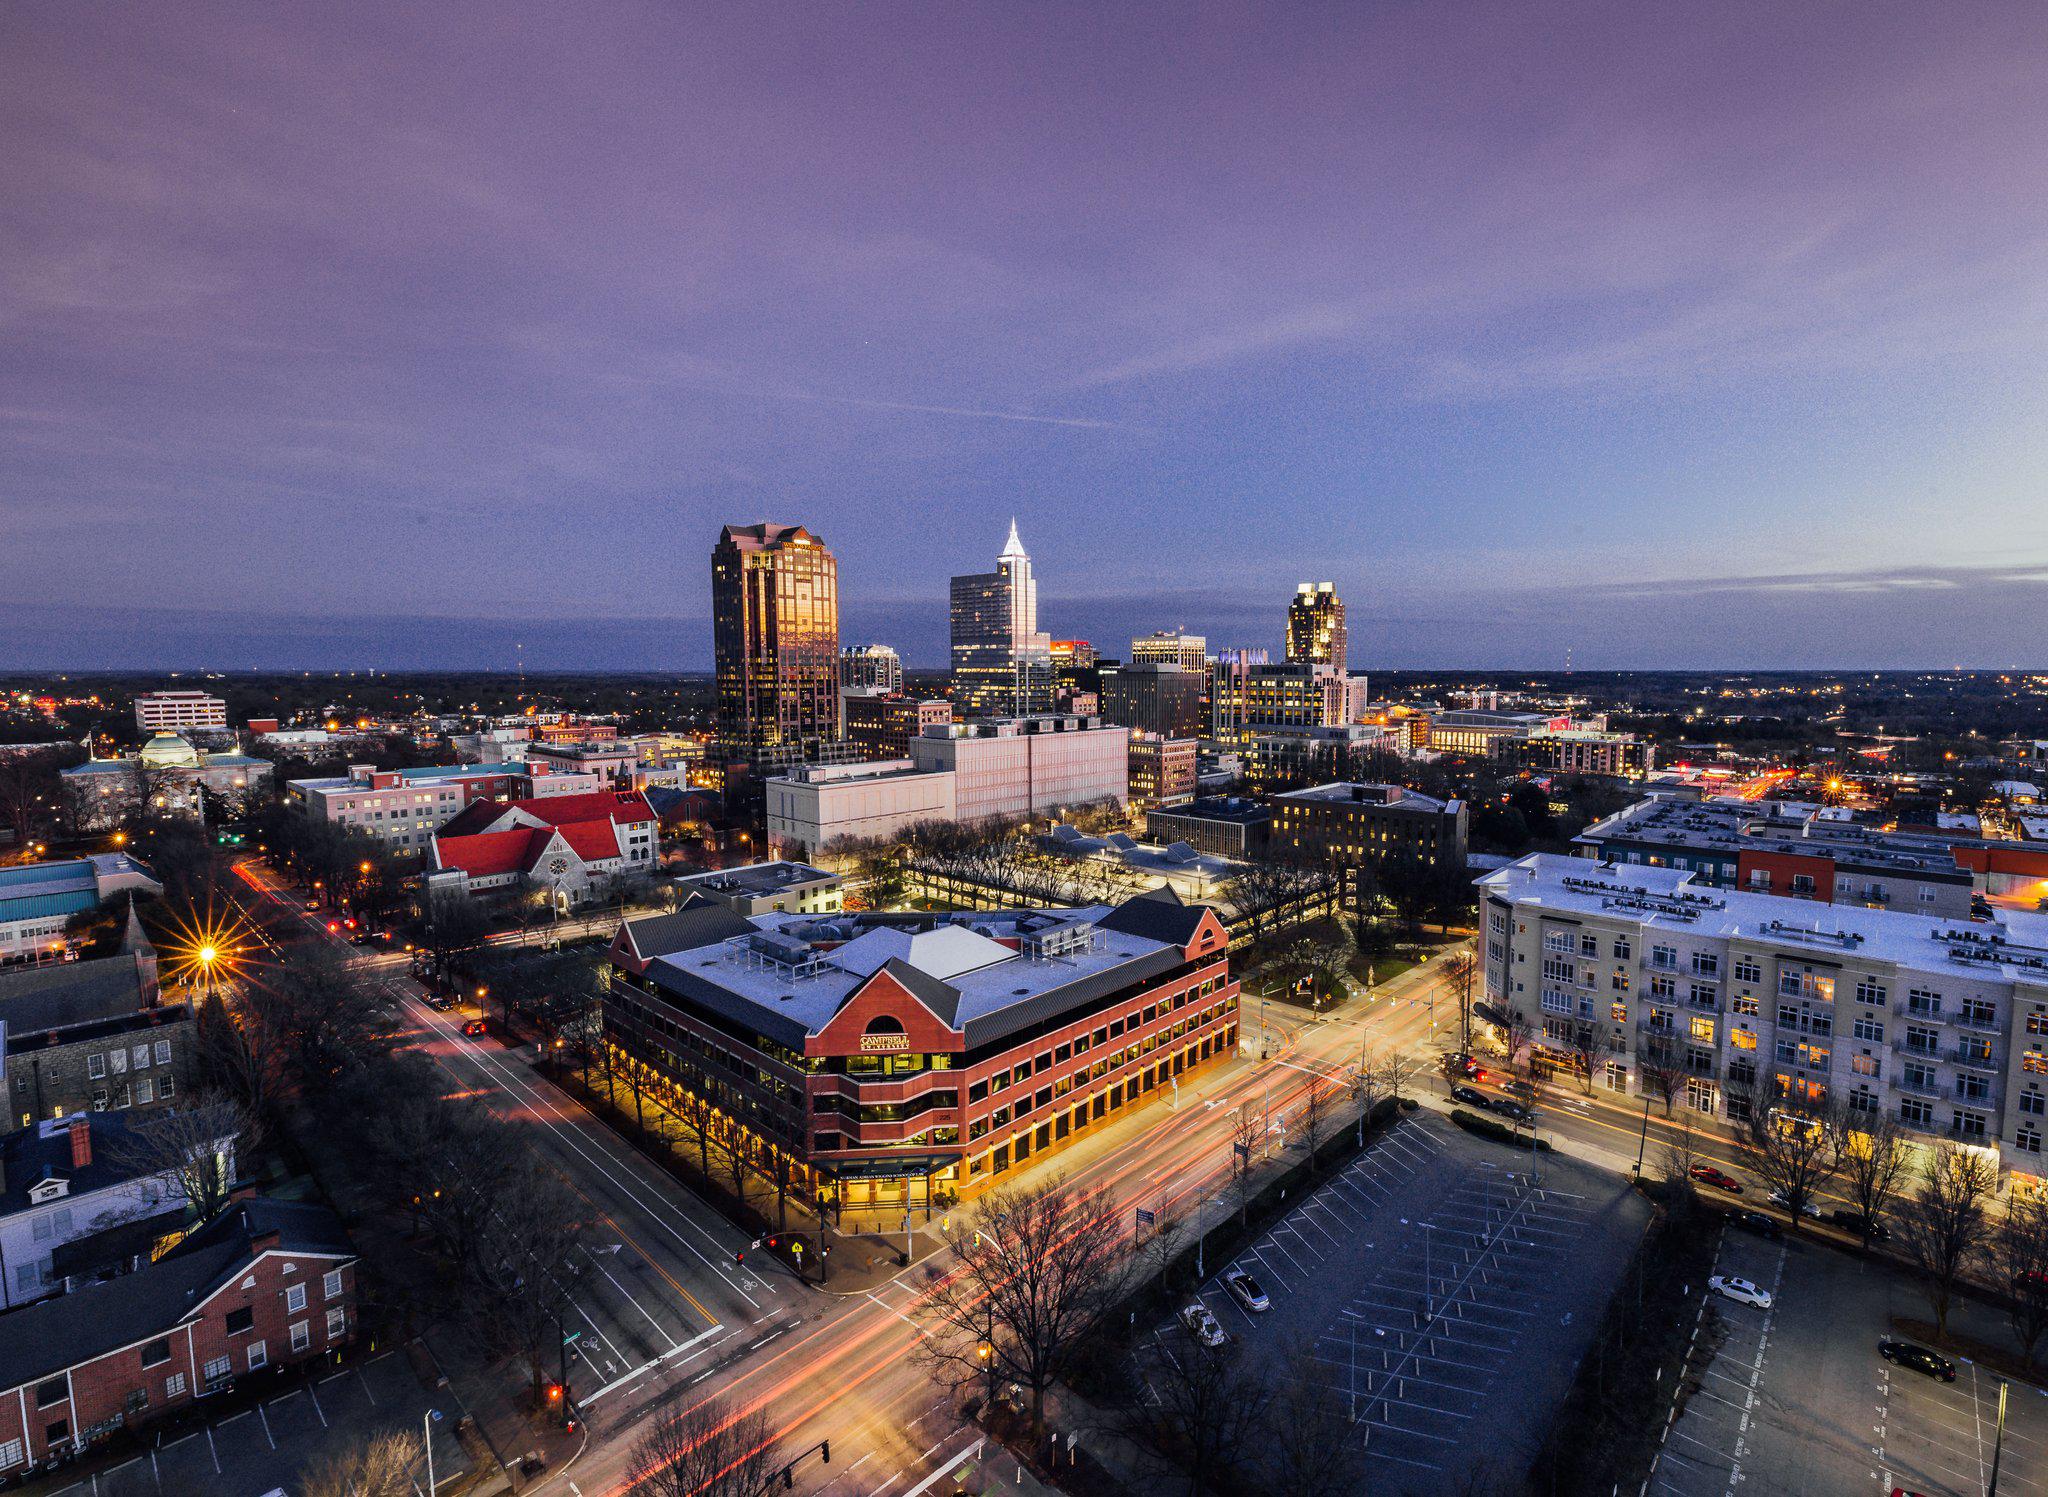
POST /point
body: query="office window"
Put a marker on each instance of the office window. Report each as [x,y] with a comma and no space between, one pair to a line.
[295,1298]
[96,1067]
[156,1352]
[218,1368]
[174,1385]
[163,1052]
[302,1335]
[10,1454]
[259,1355]
[55,1391]
[240,1320]
[337,1322]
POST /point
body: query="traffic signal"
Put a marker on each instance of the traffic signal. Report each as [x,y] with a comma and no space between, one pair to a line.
[739,1255]
[554,1393]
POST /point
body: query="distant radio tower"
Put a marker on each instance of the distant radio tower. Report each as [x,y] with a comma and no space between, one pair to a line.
[519,652]
[1567,660]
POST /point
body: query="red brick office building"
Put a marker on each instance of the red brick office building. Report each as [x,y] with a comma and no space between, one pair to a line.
[898,1058]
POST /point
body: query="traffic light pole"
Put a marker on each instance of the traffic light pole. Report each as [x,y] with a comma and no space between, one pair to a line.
[787,1474]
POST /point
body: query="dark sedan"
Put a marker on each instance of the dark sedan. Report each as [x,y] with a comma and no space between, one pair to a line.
[1919,1358]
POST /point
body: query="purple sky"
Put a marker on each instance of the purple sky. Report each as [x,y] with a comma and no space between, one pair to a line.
[1684,334]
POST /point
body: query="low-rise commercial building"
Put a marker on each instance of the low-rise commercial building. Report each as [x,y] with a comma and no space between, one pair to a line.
[1349,825]
[1737,999]
[769,889]
[1225,826]
[898,1061]
[37,900]
[1580,751]
[1289,758]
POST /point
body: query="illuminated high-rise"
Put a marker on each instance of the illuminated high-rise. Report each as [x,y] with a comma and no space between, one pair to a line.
[775,627]
[1002,664]
[1315,627]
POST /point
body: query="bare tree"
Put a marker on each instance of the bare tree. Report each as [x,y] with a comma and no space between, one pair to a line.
[387,1464]
[1314,1118]
[1874,1154]
[1461,976]
[527,1270]
[1680,1152]
[2020,1256]
[191,1147]
[714,1448]
[322,1014]
[1308,1437]
[1583,1044]
[1364,1086]
[738,1161]
[1946,1225]
[1033,1271]
[1794,1148]
[1662,1073]
[1518,1034]
[1205,1426]
[241,1055]
[1247,1132]
[698,1120]
[1396,1071]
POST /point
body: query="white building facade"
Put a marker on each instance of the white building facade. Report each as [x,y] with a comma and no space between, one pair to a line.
[1028,766]
[178,711]
[825,804]
[1941,1024]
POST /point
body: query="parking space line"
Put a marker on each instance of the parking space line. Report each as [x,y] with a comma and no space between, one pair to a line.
[213,1450]
[265,1420]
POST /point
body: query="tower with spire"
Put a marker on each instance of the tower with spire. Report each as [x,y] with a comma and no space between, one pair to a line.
[1002,662]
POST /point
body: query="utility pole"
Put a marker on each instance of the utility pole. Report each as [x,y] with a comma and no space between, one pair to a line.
[1643,1142]
[1998,1446]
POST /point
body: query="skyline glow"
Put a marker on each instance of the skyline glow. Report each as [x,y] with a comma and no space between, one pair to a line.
[1679,337]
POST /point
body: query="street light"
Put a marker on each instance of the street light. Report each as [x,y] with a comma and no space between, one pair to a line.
[427,1423]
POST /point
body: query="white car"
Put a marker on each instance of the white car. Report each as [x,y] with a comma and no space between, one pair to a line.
[1203,1326]
[1740,1290]
[1245,1290]
[1783,1202]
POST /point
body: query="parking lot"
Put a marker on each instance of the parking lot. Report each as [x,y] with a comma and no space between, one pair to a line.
[1443,1288]
[268,1445]
[1795,1399]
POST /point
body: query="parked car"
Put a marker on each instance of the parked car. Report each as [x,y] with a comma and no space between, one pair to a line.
[1707,1174]
[1783,1202]
[1742,1291]
[1919,1358]
[1757,1222]
[1245,1290]
[474,1026]
[1203,1326]
[1472,1096]
[1853,1223]
[1514,1112]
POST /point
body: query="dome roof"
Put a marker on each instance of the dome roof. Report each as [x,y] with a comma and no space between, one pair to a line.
[169,751]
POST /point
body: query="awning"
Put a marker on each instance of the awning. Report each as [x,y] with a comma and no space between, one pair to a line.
[1491,1015]
[885,1166]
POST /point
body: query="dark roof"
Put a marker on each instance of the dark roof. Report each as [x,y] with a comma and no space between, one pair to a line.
[51,1335]
[42,1151]
[39,998]
[1056,1005]
[699,922]
[110,1247]
[942,998]
[1157,915]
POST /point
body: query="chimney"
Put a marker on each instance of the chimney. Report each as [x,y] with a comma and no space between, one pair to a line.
[81,1142]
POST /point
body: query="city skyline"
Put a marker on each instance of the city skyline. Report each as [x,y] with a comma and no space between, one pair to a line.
[1704,341]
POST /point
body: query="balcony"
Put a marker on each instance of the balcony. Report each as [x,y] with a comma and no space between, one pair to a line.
[1662,964]
[1925,1049]
[1920,1088]
[1976,1060]
[1709,1004]
[1981,1023]
[1930,1014]
[1988,1098]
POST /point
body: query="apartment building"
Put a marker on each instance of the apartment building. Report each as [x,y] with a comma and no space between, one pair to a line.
[1941,1024]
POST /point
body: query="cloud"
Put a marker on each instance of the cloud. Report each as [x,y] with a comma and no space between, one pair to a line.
[1886,580]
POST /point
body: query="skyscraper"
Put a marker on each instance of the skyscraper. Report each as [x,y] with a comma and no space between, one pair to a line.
[775,628]
[1315,626]
[871,668]
[1002,664]
[1171,647]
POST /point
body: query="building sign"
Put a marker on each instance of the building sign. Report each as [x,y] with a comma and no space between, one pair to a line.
[869,1043]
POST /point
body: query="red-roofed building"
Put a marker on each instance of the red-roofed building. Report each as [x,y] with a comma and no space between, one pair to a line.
[575,846]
